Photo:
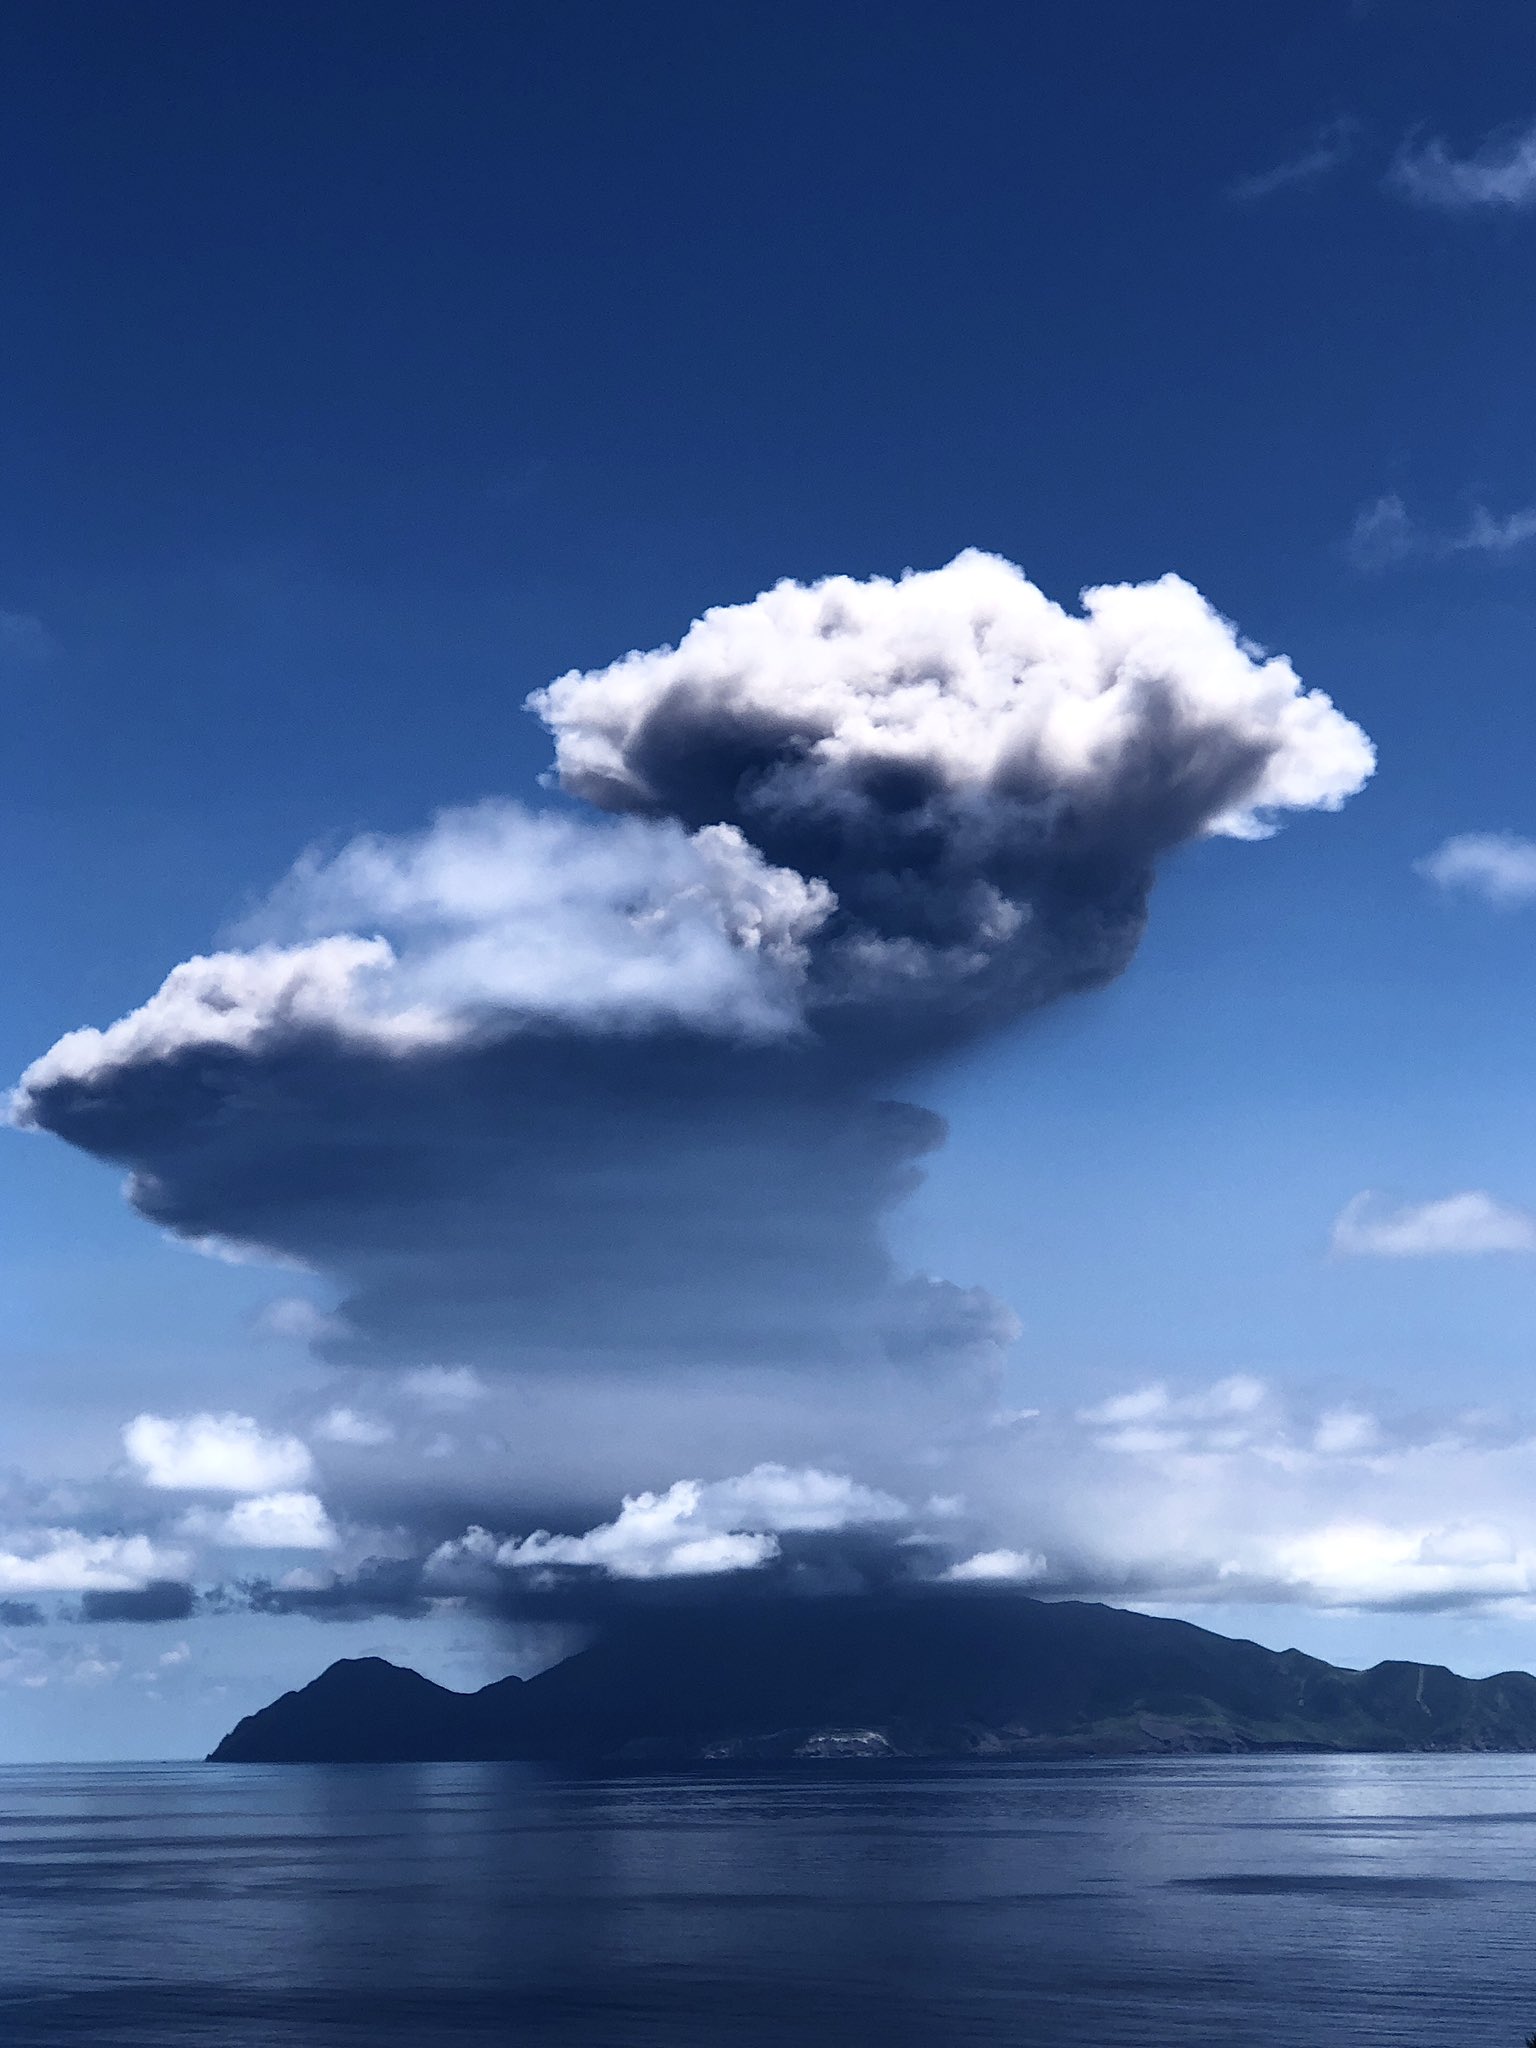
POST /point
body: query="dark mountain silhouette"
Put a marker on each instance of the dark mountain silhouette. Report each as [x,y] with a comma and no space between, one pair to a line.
[930,1676]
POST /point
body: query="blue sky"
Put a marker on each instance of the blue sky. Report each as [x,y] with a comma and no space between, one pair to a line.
[366,369]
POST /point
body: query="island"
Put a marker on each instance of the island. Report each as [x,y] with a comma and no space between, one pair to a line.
[916,1675]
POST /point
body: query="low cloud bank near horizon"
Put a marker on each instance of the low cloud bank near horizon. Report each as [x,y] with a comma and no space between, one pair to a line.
[590,1117]
[1233,1492]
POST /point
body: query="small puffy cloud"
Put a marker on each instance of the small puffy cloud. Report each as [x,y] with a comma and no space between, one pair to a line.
[444,1387]
[997,1568]
[267,1521]
[1499,176]
[697,1529]
[784,1500]
[92,1669]
[1457,1226]
[65,1561]
[214,1454]
[348,1426]
[1342,1432]
[1498,866]
[293,1315]
[654,1537]
[1329,148]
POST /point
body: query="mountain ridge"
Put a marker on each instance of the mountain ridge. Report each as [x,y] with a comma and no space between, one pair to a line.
[950,1676]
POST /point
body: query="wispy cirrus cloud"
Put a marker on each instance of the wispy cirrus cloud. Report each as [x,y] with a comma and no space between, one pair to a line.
[1498,175]
[1498,866]
[1329,148]
[1385,535]
[1489,533]
[24,639]
[1382,534]
[1457,1226]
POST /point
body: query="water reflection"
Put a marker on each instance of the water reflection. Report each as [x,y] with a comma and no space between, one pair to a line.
[1292,1901]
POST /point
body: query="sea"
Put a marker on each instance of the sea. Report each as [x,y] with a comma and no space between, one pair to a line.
[1255,1902]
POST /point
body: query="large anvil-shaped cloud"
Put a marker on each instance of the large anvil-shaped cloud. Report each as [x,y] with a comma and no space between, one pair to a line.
[587,1092]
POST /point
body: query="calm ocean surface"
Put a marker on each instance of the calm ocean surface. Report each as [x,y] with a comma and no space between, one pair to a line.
[1251,1901]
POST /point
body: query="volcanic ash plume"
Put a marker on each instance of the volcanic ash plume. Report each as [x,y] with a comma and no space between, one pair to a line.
[596,1096]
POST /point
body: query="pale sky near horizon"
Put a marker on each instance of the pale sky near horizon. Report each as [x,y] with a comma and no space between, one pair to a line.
[368,369]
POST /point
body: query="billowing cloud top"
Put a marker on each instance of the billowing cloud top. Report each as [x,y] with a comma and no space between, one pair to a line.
[983,779]
[885,805]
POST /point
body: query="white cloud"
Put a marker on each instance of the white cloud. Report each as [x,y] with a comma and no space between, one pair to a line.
[972,673]
[444,1387]
[1458,1225]
[238,1000]
[1498,176]
[1169,1493]
[65,1561]
[348,1426]
[696,1528]
[1369,1564]
[1329,148]
[782,1499]
[214,1454]
[1342,1432]
[268,1521]
[1150,1419]
[998,1567]
[655,1536]
[1176,1497]
[492,912]
[92,1670]
[1499,866]
[234,1251]
[293,1315]
[1385,534]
